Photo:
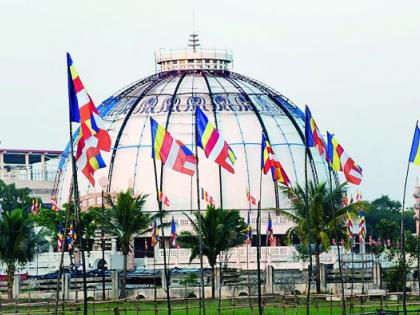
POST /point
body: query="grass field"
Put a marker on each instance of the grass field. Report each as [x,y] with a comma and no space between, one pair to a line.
[239,307]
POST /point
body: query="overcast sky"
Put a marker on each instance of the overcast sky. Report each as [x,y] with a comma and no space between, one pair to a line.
[355,63]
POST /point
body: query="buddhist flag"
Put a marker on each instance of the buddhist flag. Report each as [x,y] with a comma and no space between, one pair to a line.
[71,236]
[270,162]
[207,197]
[93,137]
[362,221]
[164,199]
[54,204]
[173,153]
[211,141]
[414,153]
[173,232]
[339,160]
[251,199]
[313,135]
[35,206]
[155,234]
[270,235]
[248,228]
[60,237]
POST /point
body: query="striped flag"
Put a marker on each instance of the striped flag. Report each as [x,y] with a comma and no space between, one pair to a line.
[93,137]
[164,199]
[339,160]
[211,141]
[173,153]
[270,162]
[60,237]
[71,237]
[54,204]
[206,197]
[313,135]
[362,222]
[251,199]
[270,235]
[35,206]
[248,228]
[155,234]
[173,232]
[415,152]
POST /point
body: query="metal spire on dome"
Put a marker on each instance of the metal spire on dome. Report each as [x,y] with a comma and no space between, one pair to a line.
[194,42]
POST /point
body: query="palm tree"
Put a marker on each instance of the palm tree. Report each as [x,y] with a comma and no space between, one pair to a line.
[327,217]
[125,220]
[221,230]
[18,243]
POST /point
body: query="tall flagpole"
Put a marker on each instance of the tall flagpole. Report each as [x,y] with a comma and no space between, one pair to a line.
[79,228]
[165,269]
[308,293]
[260,308]
[343,299]
[403,244]
[200,236]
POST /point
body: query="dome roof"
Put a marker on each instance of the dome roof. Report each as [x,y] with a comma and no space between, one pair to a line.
[240,107]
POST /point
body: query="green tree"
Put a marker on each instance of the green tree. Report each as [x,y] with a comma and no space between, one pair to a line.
[126,219]
[325,221]
[18,242]
[220,230]
[14,198]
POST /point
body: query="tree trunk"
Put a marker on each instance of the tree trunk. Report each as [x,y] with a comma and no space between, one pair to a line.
[213,283]
[318,269]
[124,277]
[10,279]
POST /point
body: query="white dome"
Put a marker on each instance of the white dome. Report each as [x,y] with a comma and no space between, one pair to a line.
[242,108]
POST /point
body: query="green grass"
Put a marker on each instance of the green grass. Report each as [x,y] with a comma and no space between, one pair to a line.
[273,306]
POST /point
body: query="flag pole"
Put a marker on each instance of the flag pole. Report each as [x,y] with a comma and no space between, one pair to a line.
[79,223]
[343,299]
[403,243]
[200,236]
[308,293]
[165,268]
[260,307]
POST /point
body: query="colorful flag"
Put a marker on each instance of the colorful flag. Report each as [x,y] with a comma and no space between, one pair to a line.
[155,234]
[164,199]
[60,237]
[339,160]
[362,221]
[313,135]
[71,236]
[206,196]
[270,235]
[173,232]
[173,153]
[211,141]
[35,206]
[54,204]
[345,201]
[248,228]
[93,137]
[251,199]
[270,162]
[415,152]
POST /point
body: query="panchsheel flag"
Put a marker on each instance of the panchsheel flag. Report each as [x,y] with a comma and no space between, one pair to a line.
[415,152]
[164,199]
[173,232]
[362,221]
[93,137]
[251,199]
[313,135]
[270,162]
[71,237]
[270,235]
[155,234]
[54,204]
[248,228]
[211,141]
[35,206]
[207,197]
[173,153]
[339,160]
[60,237]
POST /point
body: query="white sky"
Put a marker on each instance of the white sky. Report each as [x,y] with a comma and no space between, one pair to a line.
[355,63]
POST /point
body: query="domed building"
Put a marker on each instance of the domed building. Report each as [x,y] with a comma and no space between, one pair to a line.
[240,107]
